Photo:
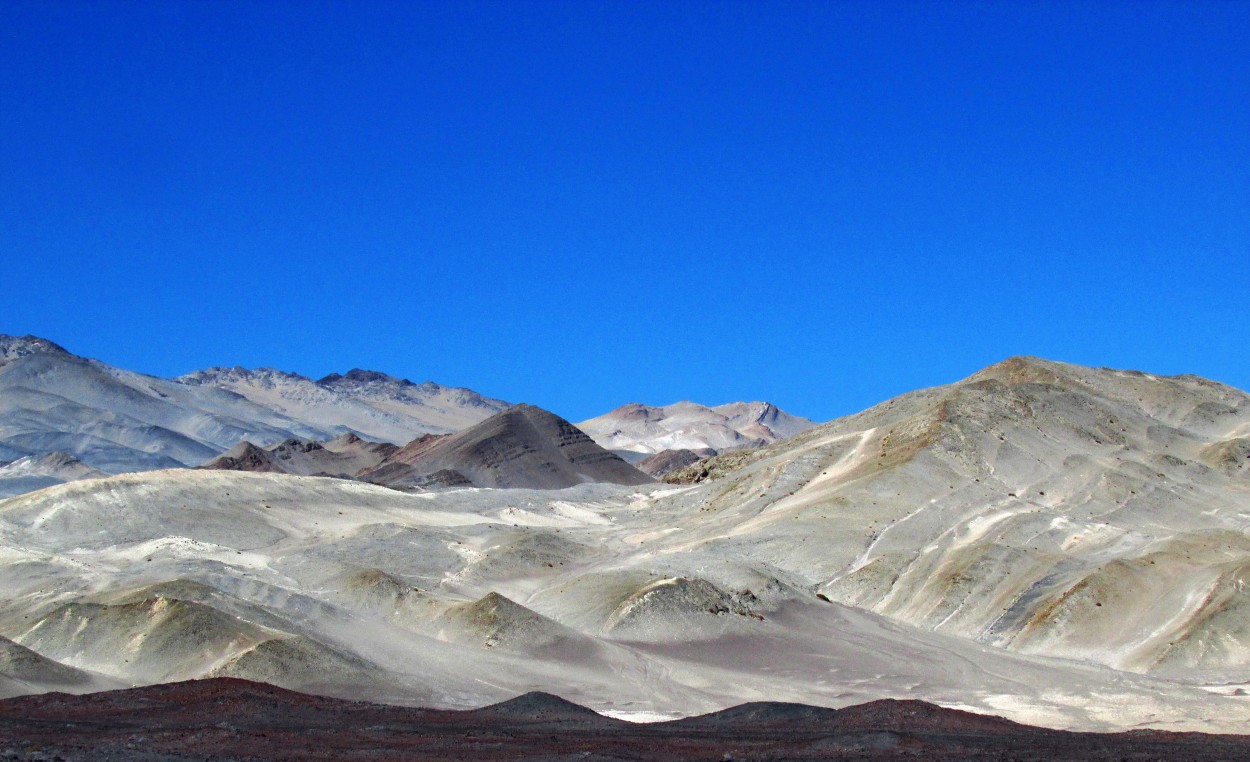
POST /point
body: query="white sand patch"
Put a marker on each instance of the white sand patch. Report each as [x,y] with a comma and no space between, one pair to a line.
[639,715]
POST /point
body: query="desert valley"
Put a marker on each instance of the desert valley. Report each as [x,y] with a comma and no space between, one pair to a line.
[1060,546]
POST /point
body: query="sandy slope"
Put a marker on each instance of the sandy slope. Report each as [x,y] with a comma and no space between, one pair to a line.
[1037,506]
[24,671]
[462,597]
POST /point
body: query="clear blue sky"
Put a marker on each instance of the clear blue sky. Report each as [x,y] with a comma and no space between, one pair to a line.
[587,203]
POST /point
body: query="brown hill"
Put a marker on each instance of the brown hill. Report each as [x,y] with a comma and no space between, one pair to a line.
[342,456]
[245,456]
[523,446]
[665,462]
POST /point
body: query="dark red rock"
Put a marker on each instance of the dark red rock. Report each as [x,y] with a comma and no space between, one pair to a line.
[241,720]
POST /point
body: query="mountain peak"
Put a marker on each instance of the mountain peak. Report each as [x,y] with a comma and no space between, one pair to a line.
[540,706]
[217,375]
[360,376]
[522,446]
[1024,369]
[13,347]
[244,456]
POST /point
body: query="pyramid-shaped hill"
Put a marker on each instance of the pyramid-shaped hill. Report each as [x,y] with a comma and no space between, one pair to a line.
[537,706]
[521,447]
[246,456]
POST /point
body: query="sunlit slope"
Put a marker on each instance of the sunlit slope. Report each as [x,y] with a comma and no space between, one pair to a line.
[1043,507]
[461,597]
[687,425]
[116,420]
[23,671]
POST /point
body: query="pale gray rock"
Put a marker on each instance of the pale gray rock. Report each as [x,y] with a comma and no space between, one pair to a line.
[1036,506]
[690,426]
[16,347]
[367,403]
[118,421]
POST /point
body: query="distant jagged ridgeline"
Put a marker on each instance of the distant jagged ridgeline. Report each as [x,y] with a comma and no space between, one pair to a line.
[343,457]
[116,421]
[689,426]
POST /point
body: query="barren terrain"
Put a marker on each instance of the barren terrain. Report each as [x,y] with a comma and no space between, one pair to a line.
[234,719]
[1057,545]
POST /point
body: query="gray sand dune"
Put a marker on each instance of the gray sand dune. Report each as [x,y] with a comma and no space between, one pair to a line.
[301,663]
[62,465]
[259,556]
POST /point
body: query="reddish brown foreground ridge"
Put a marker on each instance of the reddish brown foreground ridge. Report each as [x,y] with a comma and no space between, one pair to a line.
[228,719]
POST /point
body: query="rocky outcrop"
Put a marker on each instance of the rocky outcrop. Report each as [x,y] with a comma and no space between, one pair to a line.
[665,462]
[246,456]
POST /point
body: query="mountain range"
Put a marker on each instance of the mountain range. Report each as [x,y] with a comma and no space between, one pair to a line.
[342,457]
[116,420]
[523,446]
[645,430]
[1060,545]
[65,417]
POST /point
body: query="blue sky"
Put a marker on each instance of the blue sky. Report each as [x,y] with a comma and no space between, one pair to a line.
[584,204]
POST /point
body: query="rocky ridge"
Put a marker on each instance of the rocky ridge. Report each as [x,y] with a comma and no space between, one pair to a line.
[117,421]
[238,719]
